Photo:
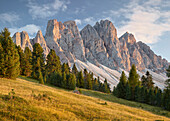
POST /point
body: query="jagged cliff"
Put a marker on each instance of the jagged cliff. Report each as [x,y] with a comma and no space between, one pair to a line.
[98,44]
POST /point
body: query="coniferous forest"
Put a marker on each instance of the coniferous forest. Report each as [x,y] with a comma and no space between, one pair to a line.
[14,62]
[143,90]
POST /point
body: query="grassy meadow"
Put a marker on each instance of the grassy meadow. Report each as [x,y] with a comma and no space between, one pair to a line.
[32,101]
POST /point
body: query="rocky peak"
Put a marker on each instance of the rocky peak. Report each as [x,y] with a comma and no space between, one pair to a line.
[128,37]
[40,39]
[94,46]
[22,39]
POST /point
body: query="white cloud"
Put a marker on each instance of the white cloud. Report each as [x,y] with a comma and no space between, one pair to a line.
[9,18]
[46,10]
[146,21]
[31,29]
[78,21]
[89,20]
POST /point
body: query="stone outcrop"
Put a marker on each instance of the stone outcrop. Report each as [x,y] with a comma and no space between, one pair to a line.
[98,44]
[22,39]
[40,39]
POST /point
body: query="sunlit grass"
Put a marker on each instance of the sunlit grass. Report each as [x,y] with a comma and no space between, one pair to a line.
[34,101]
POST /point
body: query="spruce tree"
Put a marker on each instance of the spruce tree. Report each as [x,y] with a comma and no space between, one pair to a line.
[121,87]
[71,81]
[74,69]
[38,62]
[166,93]
[2,62]
[80,79]
[21,59]
[64,80]
[10,67]
[133,79]
[88,82]
[53,63]
[95,84]
[147,81]
[128,92]
[159,98]
[65,68]
[28,62]
[106,86]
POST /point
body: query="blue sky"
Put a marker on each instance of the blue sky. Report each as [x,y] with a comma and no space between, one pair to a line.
[148,20]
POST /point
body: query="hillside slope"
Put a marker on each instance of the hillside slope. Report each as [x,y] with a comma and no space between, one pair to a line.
[33,101]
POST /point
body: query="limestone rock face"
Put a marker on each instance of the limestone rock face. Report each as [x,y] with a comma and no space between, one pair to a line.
[133,55]
[94,45]
[77,42]
[108,34]
[66,40]
[98,44]
[40,39]
[151,60]
[22,39]
[53,36]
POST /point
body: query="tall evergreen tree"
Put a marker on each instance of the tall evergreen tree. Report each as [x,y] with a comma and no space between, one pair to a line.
[74,69]
[71,81]
[121,87]
[21,59]
[38,62]
[128,92]
[53,63]
[28,62]
[95,84]
[133,77]
[166,93]
[80,79]
[2,62]
[88,82]
[65,68]
[133,80]
[64,80]
[147,81]
[10,67]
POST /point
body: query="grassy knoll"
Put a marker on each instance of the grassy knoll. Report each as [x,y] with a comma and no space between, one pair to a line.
[33,101]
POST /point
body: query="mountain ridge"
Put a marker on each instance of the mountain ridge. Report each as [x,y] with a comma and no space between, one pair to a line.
[98,44]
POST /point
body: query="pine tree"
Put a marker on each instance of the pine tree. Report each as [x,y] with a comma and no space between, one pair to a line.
[71,82]
[64,80]
[166,93]
[74,69]
[10,67]
[147,81]
[38,62]
[133,79]
[106,86]
[53,63]
[121,87]
[137,93]
[159,98]
[88,82]
[65,68]
[22,59]
[28,62]
[80,79]
[128,92]
[2,63]
[95,84]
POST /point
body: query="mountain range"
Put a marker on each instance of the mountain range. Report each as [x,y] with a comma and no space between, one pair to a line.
[98,49]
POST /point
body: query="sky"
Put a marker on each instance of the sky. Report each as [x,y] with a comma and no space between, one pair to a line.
[147,20]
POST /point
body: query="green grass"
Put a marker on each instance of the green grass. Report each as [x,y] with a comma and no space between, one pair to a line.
[112,98]
[33,101]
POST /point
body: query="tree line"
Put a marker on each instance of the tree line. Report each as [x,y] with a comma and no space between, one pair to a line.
[143,91]
[14,62]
